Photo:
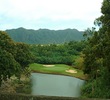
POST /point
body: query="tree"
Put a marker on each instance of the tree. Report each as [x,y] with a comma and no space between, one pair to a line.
[13,56]
[92,55]
[97,57]
[8,64]
[6,43]
[23,55]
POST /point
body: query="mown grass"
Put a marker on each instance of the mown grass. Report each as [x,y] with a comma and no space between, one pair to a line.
[59,69]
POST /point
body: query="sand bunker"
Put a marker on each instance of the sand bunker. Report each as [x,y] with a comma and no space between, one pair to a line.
[71,71]
[48,65]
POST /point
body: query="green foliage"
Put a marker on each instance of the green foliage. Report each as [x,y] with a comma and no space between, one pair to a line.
[14,57]
[92,54]
[63,53]
[8,65]
[45,36]
[6,43]
[15,85]
[4,96]
[97,88]
[97,57]
[78,63]
[23,86]
[23,55]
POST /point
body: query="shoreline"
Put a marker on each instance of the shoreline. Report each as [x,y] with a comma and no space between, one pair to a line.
[33,71]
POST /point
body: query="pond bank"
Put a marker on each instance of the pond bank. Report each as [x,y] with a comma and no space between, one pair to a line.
[10,96]
[55,73]
[57,69]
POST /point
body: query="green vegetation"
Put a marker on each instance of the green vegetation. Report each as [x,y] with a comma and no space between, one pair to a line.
[15,85]
[57,54]
[14,57]
[11,96]
[91,55]
[45,36]
[97,57]
[59,69]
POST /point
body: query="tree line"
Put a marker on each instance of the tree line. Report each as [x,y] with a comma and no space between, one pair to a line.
[57,53]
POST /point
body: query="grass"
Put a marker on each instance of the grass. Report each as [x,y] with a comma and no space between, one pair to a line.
[59,69]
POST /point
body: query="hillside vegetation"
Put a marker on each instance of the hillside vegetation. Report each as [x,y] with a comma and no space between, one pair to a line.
[44,36]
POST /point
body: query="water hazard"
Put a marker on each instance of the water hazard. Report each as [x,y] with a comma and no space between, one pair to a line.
[55,85]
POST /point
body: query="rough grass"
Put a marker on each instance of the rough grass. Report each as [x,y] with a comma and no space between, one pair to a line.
[59,69]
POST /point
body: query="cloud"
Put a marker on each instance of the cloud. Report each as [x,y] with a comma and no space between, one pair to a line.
[33,13]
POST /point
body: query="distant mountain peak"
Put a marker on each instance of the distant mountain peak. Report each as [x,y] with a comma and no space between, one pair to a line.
[44,36]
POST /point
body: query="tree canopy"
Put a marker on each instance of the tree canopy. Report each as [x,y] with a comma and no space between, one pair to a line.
[13,56]
[97,57]
[54,54]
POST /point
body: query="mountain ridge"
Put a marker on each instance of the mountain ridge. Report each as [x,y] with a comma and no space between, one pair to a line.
[44,36]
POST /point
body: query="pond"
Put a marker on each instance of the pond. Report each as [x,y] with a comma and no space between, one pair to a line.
[55,85]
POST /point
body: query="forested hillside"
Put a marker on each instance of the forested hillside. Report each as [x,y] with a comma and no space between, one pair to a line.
[44,36]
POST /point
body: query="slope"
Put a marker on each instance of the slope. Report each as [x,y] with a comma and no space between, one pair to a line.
[44,36]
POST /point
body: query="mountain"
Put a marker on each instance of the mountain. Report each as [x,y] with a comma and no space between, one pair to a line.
[44,36]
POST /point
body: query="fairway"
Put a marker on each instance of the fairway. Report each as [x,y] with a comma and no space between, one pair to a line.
[60,69]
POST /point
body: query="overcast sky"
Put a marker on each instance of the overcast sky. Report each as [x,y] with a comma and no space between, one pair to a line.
[50,14]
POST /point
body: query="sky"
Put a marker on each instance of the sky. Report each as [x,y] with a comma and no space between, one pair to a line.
[49,14]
